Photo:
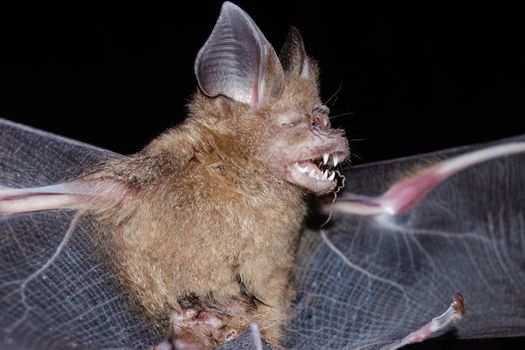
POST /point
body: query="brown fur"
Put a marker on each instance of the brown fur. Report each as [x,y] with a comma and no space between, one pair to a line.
[204,208]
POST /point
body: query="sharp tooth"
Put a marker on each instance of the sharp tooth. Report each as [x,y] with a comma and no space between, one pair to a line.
[332,177]
[325,174]
[336,159]
[325,158]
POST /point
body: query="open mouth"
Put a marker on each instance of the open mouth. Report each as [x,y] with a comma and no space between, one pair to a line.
[317,174]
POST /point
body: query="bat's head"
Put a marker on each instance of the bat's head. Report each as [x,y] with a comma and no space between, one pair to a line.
[266,107]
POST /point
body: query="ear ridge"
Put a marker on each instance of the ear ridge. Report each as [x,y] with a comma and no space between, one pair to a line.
[237,61]
[293,55]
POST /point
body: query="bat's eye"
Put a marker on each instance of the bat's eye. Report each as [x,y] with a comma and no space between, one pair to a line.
[289,122]
[320,116]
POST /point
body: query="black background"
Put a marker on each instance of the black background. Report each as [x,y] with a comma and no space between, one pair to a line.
[415,79]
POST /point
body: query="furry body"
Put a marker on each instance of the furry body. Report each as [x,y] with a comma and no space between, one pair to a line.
[204,213]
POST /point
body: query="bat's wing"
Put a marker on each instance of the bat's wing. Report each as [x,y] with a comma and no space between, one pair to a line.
[55,295]
[363,283]
[367,281]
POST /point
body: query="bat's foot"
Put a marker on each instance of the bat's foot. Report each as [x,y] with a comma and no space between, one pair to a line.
[438,324]
[195,330]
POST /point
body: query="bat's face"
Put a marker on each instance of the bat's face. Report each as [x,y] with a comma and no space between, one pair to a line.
[304,150]
[275,108]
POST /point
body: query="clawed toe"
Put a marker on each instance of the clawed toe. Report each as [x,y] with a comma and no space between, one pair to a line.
[198,329]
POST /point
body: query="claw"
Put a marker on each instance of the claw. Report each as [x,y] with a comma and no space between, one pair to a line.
[453,314]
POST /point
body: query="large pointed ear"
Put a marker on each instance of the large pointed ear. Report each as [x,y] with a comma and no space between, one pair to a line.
[293,55]
[238,62]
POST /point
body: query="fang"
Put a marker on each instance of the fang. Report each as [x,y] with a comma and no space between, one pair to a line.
[325,158]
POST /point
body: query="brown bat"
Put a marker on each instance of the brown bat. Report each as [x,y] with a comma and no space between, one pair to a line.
[203,222]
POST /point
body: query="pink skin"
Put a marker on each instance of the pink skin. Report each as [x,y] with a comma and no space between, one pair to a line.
[194,330]
[67,195]
[438,324]
[409,191]
[201,328]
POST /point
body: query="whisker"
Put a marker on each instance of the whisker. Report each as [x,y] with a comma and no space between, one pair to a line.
[340,115]
[355,156]
[335,101]
[334,94]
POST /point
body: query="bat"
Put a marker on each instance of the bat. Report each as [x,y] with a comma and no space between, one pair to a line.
[35,179]
[443,254]
[256,141]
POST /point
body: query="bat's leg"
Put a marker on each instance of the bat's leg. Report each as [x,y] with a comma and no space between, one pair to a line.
[194,329]
[67,195]
[406,193]
[206,327]
[438,324]
[203,324]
